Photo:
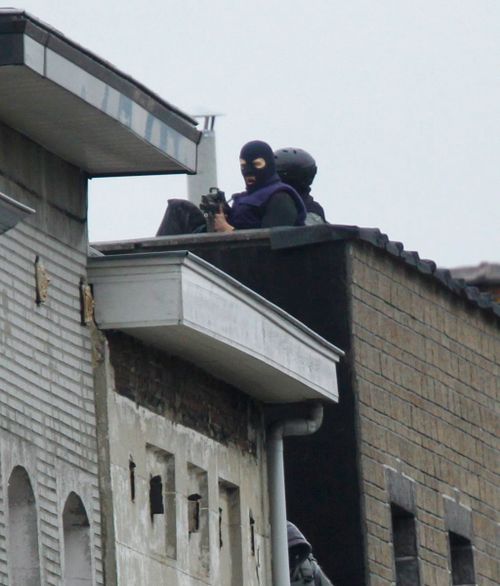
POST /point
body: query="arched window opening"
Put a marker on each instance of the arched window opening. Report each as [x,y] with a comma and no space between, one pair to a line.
[24,558]
[77,560]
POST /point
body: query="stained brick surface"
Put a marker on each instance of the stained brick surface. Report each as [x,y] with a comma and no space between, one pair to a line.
[183,393]
[426,379]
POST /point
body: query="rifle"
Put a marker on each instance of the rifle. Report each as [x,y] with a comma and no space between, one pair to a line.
[214,202]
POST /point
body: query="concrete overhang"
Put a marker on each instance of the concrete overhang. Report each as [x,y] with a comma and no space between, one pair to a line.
[12,212]
[83,109]
[179,303]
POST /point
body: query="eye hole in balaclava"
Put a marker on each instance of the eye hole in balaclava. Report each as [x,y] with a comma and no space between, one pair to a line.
[257,165]
[298,554]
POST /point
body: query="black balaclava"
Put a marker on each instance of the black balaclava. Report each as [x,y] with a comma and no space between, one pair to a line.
[257,165]
[298,546]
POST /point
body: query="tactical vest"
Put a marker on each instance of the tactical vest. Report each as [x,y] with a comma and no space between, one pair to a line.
[248,209]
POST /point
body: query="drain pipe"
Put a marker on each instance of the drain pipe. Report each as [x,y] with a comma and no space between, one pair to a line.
[277,498]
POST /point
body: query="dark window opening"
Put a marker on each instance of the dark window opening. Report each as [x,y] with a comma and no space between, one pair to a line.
[462,560]
[131,468]
[156,496]
[252,534]
[194,512]
[221,542]
[404,537]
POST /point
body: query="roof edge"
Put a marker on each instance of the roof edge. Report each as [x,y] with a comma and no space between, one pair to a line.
[25,23]
[282,238]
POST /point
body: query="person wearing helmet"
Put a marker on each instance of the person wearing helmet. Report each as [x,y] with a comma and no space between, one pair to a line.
[267,201]
[298,168]
[304,569]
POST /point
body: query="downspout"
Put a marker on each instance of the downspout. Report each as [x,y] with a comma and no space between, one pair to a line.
[277,498]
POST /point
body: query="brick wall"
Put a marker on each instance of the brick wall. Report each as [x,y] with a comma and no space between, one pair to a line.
[426,372]
[47,414]
[183,393]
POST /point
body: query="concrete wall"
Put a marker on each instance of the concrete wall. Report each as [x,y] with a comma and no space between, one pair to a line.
[182,392]
[170,423]
[47,413]
[426,372]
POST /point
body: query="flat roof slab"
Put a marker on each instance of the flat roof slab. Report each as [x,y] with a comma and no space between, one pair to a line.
[182,304]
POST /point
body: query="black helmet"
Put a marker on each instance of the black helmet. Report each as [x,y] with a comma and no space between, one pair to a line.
[295,167]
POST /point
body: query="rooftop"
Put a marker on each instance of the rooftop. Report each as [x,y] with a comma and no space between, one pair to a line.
[486,273]
[282,238]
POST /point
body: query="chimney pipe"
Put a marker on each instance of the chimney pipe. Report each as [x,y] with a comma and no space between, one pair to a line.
[206,174]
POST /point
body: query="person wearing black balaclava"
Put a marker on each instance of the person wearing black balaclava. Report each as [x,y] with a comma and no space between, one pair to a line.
[267,202]
[304,569]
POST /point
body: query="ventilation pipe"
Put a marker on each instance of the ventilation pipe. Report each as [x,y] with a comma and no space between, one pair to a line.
[277,498]
[206,168]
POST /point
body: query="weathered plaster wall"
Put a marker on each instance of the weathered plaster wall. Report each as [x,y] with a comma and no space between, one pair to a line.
[200,437]
[47,415]
[310,282]
[183,393]
[426,376]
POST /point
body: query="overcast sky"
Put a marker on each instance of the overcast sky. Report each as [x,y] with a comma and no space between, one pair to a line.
[398,101]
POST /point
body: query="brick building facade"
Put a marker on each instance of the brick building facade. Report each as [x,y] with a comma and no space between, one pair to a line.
[400,484]
[403,475]
[426,382]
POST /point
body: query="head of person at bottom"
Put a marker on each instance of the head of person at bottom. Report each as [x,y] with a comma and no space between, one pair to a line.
[304,569]
[257,165]
[298,546]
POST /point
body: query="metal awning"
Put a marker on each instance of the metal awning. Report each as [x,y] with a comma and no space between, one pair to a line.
[83,109]
[178,302]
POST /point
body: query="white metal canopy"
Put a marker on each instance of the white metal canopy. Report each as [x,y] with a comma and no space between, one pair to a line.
[178,302]
[85,110]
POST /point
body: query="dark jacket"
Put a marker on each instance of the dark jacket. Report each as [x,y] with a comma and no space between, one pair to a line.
[315,213]
[304,569]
